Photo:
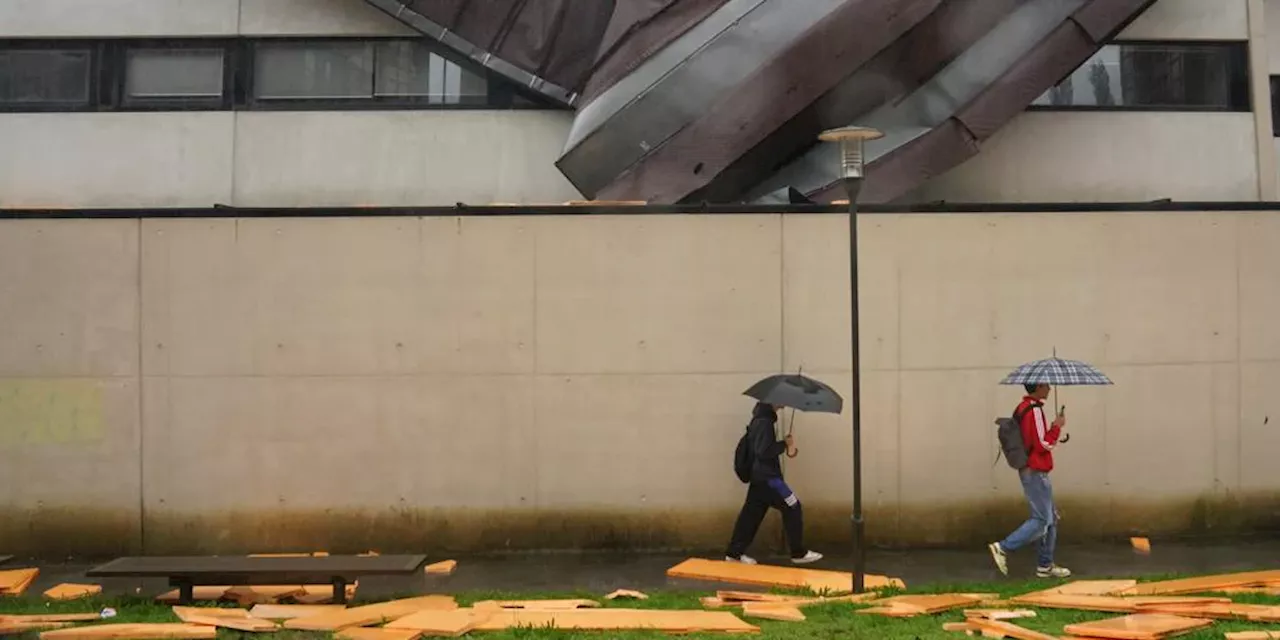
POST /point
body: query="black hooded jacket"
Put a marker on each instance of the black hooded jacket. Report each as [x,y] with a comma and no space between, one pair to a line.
[765,447]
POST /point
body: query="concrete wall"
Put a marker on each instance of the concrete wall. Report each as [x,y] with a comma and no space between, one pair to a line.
[459,383]
[314,158]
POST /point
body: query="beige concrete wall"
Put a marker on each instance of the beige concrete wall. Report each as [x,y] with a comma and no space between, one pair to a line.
[1191,20]
[574,381]
[315,158]
[1044,156]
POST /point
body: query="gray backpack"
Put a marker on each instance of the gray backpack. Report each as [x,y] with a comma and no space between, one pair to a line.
[1009,433]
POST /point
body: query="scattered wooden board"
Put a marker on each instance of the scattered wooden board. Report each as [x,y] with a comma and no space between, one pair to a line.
[14,582]
[999,614]
[450,624]
[268,594]
[1141,545]
[1089,588]
[910,606]
[442,568]
[1141,626]
[751,596]
[773,576]
[999,629]
[13,628]
[371,614]
[184,613]
[1217,611]
[245,623]
[618,619]
[52,617]
[199,594]
[1108,604]
[377,633]
[291,611]
[141,631]
[321,593]
[537,605]
[68,591]
[627,594]
[1254,635]
[712,602]
[1204,584]
[963,627]
[772,611]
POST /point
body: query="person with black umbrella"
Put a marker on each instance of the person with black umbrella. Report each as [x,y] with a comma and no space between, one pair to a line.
[757,463]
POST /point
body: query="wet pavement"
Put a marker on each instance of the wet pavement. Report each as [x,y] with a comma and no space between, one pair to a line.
[601,573]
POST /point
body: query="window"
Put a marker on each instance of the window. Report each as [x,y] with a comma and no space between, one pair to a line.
[134,74]
[155,74]
[1164,76]
[1275,106]
[386,72]
[45,77]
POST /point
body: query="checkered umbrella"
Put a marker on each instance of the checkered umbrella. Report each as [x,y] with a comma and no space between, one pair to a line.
[1057,372]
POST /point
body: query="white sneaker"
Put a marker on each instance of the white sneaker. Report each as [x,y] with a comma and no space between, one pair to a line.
[1000,558]
[742,559]
[809,557]
[1053,572]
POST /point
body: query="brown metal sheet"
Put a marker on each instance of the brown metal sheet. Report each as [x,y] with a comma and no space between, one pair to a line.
[486,22]
[771,96]
[1102,20]
[638,30]
[1069,46]
[569,61]
[1063,50]
[893,73]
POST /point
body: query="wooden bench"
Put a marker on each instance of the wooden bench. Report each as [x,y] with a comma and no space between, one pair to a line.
[185,572]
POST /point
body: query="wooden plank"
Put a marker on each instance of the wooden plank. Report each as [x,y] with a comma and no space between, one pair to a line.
[774,576]
[8,627]
[14,582]
[930,604]
[450,624]
[377,633]
[69,591]
[1253,635]
[267,594]
[291,611]
[537,605]
[1089,588]
[1106,604]
[1204,584]
[772,611]
[247,570]
[321,593]
[52,617]
[618,620]
[963,627]
[1141,626]
[371,614]
[751,596]
[133,632]
[1216,611]
[1000,629]
[999,614]
[442,568]
[199,594]
[627,594]
[184,613]
[251,625]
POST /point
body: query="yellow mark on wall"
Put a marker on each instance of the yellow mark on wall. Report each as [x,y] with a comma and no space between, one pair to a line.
[50,411]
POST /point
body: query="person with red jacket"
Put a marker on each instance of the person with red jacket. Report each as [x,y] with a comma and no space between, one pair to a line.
[1039,437]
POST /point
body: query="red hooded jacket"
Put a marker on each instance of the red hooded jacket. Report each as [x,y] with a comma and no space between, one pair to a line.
[1038,435]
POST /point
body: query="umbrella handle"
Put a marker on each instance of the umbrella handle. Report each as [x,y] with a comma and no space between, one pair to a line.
[791,453]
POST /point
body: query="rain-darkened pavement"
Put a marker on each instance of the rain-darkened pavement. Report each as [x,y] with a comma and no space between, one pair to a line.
[601,573]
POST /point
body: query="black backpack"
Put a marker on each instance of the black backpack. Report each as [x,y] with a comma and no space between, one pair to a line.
[743,460]
[1009,433]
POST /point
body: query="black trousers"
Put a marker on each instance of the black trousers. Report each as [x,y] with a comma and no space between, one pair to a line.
[762,496]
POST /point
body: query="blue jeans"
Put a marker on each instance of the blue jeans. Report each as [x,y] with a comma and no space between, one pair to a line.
[1043,523]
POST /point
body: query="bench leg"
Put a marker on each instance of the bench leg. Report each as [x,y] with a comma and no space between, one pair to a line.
[186,591]
[339,590]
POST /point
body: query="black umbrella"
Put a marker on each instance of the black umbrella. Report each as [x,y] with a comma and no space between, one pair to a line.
[797,392]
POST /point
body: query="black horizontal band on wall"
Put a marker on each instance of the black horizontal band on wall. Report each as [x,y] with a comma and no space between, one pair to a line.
[462,210]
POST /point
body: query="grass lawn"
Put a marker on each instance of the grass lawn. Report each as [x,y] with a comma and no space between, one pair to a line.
[828,621]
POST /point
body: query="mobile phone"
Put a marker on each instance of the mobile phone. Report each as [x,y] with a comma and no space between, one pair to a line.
[1062,411]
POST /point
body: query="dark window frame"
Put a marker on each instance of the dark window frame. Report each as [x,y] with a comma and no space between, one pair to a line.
[109,71]
[117,53]
[1242,93]
[95,78]
[1274,82]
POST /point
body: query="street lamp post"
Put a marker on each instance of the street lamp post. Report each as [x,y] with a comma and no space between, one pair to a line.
[852,165]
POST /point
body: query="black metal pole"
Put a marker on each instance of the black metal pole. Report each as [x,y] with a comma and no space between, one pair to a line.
[853,186]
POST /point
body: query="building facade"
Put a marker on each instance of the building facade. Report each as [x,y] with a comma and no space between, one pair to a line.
[283,103]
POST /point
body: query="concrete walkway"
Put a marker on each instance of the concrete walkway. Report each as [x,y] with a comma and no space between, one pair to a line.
[592,573]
